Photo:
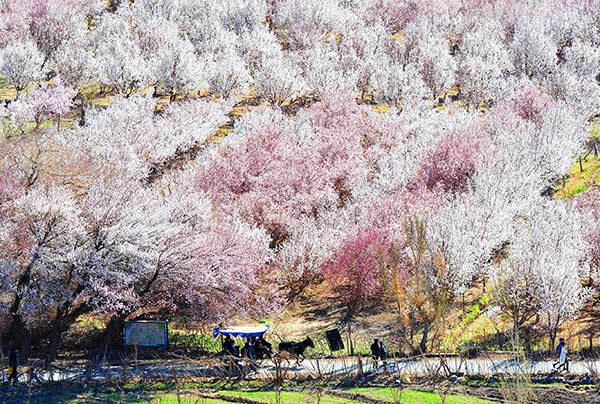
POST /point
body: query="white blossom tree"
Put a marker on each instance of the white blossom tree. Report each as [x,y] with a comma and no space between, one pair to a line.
[130,134]
[174,63]
[21,64]
[118,54]
[541,276]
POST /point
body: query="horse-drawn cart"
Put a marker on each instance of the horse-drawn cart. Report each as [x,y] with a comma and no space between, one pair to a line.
[243,361]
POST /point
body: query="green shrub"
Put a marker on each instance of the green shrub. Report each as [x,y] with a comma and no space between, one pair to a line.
[193,340]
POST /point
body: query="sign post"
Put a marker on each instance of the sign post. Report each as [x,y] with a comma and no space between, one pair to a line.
[146,333]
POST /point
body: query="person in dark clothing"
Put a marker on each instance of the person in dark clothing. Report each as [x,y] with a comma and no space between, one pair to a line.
[561,344]
[13,364]
[382,351]
[229,346]
[264,349]
[250,348]
[375,349]
[383,355]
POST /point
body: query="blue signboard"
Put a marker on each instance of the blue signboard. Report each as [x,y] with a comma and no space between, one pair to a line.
[146,333]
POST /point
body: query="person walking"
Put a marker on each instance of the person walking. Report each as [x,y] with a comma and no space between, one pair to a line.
[382,351]
[383,355]
[13,364]
[563,362]
[375,349]
[375,352]
[264,349]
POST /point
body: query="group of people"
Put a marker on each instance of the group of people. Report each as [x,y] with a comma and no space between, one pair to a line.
[378,351]
[253,348]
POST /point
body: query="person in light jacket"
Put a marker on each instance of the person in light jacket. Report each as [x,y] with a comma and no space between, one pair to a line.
[563,362]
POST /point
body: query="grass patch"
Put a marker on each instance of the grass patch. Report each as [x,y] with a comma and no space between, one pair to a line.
[453,91]
[478,308]
[122,398]
[194,340]
[193,393]
[474,326]
[399,36]
[139,399]
[240,110]
[185,399]
[289,397]
[578,180]
[596,128]
[416,396]
[581,177]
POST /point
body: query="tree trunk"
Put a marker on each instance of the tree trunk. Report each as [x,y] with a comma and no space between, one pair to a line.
[350,344]
[552,336]
[424,338]
[19,337]
[112,336]
[53,345]
[82,112]
[113,5]
[18,90]
[516,327]
[62,322]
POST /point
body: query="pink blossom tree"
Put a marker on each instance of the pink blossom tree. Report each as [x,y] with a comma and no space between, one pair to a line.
[269,180]
[451,163]
[47,22]
[278,171]
[356,274]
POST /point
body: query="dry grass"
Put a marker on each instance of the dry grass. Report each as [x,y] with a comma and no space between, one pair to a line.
[381,108]
[8,93]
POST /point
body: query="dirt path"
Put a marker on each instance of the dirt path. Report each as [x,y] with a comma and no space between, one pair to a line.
[313,367]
